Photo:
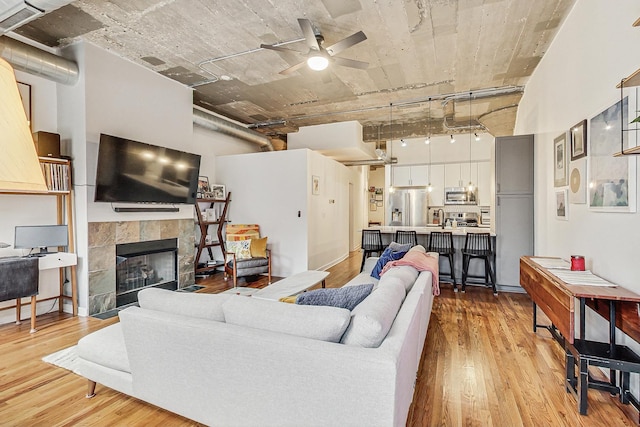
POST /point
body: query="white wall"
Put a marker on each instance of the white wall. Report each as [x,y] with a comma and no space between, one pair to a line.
[576,79]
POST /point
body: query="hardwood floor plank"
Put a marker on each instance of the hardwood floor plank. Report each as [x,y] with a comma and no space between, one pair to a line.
[482,365]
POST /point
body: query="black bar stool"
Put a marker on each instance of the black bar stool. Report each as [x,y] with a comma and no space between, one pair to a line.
[403,237]
[442,243]
[371,243]
[478,246]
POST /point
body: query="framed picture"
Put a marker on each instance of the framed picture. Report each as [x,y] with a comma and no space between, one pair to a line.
[372,206]
[379,203]
[203,186]
[218,191]
[579,140]
[315,185]
[25,94]
[378,197]
[612,180]
[560,161]
[562,209]
[578,182]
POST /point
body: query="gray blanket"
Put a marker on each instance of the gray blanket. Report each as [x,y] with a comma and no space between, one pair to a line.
[347,297]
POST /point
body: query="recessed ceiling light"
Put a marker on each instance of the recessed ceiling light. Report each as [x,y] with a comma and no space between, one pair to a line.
[226,78]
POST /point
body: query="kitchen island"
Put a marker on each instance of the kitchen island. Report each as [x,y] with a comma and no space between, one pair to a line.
[459,235]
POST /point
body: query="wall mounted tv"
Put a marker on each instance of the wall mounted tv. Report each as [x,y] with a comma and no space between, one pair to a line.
[132,171]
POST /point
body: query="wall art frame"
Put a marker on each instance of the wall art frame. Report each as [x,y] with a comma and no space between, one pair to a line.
[579,140]
[315,185]
[562,207]
[560,172]
[612,180]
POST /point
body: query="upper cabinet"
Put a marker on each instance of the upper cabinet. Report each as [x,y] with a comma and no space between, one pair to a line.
[410,176]
[514,167]
[484,184]
[436,175]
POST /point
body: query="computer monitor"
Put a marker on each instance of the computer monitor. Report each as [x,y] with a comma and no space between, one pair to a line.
[41,236]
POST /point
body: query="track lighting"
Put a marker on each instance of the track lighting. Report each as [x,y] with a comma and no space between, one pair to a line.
[477,137]
[427,140]
[403,143]
[452,139]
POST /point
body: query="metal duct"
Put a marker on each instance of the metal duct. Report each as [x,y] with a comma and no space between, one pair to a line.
[226,127]
[38,62]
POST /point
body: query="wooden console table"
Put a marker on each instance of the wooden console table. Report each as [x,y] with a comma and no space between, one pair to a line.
[556,299]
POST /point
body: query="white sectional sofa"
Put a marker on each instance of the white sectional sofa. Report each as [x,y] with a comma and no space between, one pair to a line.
[230,360]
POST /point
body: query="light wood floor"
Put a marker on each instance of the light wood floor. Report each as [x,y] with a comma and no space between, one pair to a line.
[482,366]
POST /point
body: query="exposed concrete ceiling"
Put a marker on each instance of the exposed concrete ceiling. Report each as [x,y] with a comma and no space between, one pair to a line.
[416,50]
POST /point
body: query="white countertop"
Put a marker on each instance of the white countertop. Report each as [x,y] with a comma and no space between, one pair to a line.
[459,231]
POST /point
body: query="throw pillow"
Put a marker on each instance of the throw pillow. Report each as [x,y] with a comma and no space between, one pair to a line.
[418,248]
[347,297]
[242,248]
[316,322]
[387,255]
[259,248]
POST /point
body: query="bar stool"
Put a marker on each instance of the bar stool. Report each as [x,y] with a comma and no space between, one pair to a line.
[371,243]
[478,246]
[403,237]
[442,243]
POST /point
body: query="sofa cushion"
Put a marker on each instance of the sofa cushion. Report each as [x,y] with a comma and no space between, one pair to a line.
[418,248]
[347,297]
[404,274]
[317,322]
[203,306]
[250,263]
[373,317]
[106,347]
[387,255]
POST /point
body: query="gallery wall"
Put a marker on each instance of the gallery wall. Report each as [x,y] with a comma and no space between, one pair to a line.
[576,80]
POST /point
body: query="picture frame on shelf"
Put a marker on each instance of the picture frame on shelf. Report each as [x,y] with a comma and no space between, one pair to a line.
[218,191]
[560,175]
[315,185]
[579,140]
[612,180]
[203,186]
[562,207]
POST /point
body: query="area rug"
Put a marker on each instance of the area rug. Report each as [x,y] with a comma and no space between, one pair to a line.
[66,358]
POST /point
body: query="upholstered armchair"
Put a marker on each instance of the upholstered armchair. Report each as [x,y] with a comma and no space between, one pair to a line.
[246,253]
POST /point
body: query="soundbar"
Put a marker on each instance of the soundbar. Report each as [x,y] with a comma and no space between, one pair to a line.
[150,209]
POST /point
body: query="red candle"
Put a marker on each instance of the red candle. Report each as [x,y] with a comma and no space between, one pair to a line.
[577,263]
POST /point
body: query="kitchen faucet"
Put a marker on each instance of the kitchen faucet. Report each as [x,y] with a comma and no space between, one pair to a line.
[441,218]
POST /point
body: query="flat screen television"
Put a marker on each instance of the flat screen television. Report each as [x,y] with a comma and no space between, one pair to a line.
[41,236]
[132,171]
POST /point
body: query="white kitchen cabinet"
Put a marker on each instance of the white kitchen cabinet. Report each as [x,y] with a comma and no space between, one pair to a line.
[484,184]
[436,175]
[410,176]
[452,175]
[401,176]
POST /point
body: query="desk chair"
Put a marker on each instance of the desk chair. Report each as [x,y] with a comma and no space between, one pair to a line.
[371,243]
[442,243]
[478,246]
[403,237]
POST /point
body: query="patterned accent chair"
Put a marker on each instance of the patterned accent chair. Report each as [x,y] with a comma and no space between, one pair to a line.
[246,252]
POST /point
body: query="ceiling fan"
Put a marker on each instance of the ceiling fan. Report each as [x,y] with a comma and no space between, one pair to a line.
[319,57]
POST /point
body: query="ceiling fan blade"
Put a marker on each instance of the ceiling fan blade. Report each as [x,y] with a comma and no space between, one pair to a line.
[293,68]
[350,63]
[309,34]
[346,43]
[278,48]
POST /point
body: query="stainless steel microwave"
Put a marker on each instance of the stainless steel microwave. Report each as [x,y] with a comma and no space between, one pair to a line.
[460,196]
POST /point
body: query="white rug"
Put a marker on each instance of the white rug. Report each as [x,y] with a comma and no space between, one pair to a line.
[66,358]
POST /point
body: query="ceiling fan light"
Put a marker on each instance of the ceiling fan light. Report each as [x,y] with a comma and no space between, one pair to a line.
[317,62]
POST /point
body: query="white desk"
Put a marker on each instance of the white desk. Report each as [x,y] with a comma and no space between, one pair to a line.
[56,260]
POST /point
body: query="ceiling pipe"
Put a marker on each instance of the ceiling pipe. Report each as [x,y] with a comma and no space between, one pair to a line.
[217,124]
[34,61]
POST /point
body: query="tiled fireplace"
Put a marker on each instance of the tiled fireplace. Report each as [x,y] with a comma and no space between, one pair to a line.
[104,258]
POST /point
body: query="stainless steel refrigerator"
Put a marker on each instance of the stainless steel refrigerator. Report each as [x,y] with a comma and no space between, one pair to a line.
[408,208]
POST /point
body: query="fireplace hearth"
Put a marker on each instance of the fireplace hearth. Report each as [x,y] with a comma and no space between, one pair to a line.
[143,265]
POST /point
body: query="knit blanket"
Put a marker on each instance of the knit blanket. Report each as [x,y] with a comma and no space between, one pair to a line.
[421,262]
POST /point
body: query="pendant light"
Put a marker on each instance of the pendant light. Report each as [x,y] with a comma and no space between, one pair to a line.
[470,186]
[427,141]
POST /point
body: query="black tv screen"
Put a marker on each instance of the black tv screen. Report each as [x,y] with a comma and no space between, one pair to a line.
[132,171]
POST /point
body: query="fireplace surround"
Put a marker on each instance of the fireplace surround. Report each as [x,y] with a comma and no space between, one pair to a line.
[102,254]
